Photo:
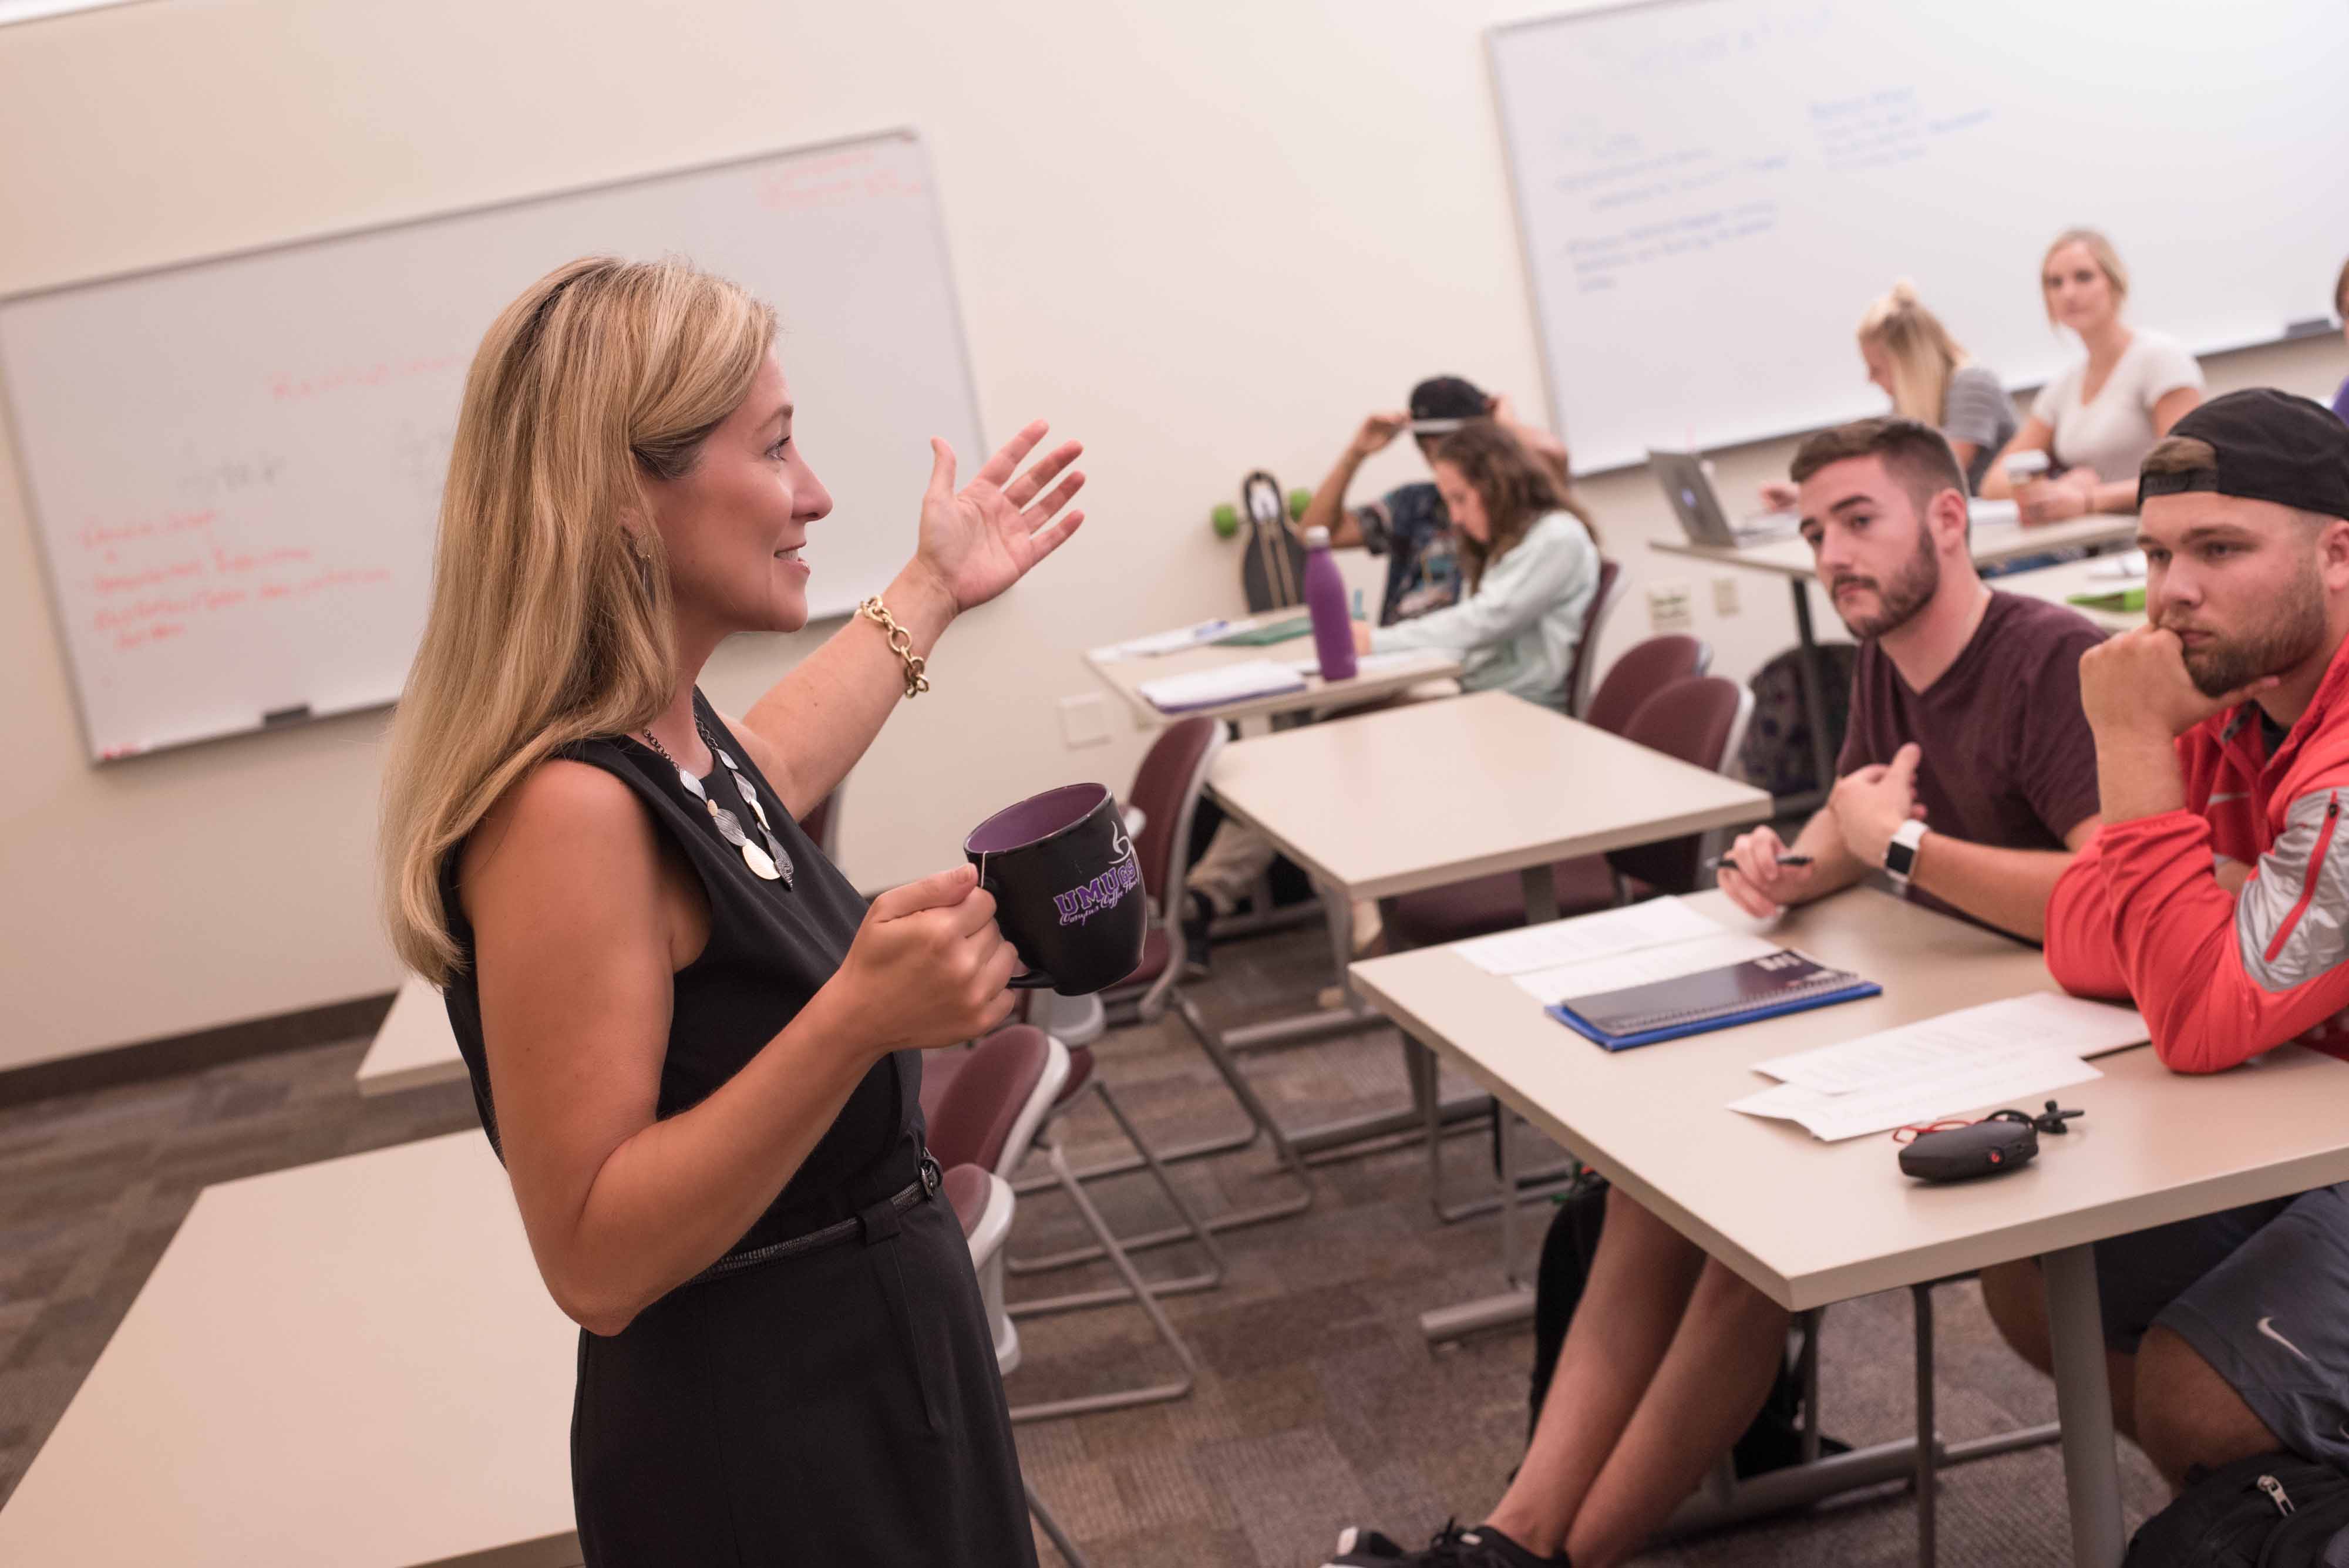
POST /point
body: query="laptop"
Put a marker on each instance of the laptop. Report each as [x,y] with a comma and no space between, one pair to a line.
[1698,506]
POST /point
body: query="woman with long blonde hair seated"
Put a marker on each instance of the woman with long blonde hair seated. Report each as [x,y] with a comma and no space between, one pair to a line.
[692,1044]
[1915,361]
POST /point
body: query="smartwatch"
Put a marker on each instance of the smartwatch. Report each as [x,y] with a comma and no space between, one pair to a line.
[1901,855]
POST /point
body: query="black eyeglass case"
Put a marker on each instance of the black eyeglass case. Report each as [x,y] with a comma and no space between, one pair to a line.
[1960,1154]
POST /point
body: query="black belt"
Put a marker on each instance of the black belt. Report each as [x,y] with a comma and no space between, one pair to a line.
[877,1222]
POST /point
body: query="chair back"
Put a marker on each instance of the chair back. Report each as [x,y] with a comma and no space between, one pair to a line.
[987,1112]
[1167,786]
[1700,721]
[1585,668]
[983,1202]
[1645,669]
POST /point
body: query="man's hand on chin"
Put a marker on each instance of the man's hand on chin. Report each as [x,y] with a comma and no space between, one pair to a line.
[2139,697]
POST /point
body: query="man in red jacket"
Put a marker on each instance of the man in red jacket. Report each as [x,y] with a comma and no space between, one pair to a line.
[2217,899]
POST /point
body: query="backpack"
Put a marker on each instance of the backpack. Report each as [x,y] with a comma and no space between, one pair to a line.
[1773,1442]
[2271,1511]
[1776,755]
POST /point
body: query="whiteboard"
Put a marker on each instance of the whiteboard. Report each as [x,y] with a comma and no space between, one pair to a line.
[235,465]
[1711,192]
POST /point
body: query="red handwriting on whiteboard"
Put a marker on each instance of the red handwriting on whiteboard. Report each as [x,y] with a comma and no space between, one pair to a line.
[290,386]
[836,180]
[231,562]
[94,534]
[160,618]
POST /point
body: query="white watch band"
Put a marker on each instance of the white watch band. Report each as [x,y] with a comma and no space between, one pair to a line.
[1901,855]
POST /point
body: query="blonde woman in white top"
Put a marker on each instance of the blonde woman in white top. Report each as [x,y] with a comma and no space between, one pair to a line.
[2098,420]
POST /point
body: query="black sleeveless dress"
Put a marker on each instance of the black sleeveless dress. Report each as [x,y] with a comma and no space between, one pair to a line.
[836,1407]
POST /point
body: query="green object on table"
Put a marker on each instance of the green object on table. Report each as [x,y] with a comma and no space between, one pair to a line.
[1265,635]
[1227,519]
[2111,599]
[1298,500]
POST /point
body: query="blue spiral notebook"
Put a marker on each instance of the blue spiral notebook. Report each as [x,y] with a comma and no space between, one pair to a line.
[1763,987]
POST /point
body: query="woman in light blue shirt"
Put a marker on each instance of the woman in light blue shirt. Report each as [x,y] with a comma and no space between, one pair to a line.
[1528,559]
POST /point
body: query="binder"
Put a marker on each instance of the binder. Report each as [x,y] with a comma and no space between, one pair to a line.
[1777,983]
[1264,636]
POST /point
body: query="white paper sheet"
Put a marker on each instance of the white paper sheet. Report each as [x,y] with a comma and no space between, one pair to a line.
[1212,688]
[1602,935]
[1162,642]
[1643,966]
[2015,1027]
[2017,1081]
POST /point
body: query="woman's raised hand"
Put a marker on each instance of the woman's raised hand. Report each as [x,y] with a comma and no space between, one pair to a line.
[982,538]
[927,967]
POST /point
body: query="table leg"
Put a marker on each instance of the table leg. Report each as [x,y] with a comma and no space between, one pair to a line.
[2084,1401]
[1541,895]
[1505,1129]
[1811,667]
[1338,908]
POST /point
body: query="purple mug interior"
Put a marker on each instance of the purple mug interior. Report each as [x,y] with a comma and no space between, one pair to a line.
[1035,819]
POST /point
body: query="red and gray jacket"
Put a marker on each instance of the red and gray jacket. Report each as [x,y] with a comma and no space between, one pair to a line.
[2140,916]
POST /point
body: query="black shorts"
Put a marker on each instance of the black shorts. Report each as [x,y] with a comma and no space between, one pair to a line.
[2261,1292]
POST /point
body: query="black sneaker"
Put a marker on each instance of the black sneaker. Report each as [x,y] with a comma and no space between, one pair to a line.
[1482,1547]
[1358,1547]
[1196,914]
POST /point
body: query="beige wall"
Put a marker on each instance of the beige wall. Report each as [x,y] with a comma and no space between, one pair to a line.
[1203,237]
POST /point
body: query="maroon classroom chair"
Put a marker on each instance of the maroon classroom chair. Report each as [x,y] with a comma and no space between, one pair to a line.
[1644,668]
[994,1104]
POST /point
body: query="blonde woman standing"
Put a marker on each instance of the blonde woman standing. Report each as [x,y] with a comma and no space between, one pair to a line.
[694,1046]
[2098,420]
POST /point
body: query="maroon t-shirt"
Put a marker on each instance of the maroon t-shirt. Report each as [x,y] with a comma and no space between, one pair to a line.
[2009,760]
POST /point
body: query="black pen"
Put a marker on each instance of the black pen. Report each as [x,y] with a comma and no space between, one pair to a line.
[1715,863]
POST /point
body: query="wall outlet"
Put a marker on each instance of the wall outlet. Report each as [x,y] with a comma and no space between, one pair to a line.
[1724,595]
[1670,608]
[1084,722]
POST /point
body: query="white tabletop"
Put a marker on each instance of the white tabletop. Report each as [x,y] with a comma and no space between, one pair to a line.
[414,1046]
[1436,793]
[349,1365]
[1992,543]
[2058,582]
[1808,1222]
[1125,676]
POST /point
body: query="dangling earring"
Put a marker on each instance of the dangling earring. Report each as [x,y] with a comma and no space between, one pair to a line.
[644,554]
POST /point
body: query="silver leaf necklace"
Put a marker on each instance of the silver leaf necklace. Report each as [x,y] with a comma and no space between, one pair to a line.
[768,862]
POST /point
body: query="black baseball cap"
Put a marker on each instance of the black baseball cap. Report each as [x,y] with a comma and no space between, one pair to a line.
[2270,446]
[1448,398]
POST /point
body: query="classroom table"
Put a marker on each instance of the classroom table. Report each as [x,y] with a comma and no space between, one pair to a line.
[1790,558]
[1431,794]
[414,1046]
[2058,582]
[1809,1223]
[1125,676]
[347,1365]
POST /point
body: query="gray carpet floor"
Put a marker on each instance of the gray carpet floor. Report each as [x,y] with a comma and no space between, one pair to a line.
[1318,1404]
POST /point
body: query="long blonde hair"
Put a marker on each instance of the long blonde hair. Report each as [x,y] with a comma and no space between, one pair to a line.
[551,611]
[2100,251]
[1922,353]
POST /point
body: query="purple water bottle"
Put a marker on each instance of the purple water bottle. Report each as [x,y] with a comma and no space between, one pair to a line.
[1325,597]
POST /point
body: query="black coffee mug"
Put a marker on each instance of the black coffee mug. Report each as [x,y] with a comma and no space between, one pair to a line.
[1067,885]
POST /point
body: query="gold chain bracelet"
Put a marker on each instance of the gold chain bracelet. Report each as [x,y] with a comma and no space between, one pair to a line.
[900,643]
